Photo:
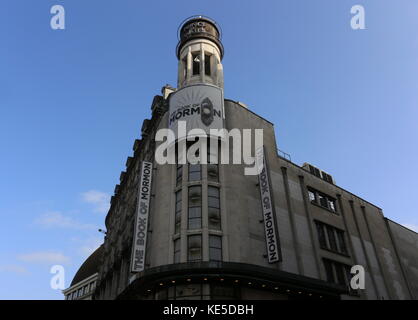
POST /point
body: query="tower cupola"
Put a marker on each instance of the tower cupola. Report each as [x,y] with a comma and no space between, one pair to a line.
[200,52]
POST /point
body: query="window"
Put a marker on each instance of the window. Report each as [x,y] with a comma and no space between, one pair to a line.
[185,68]
[215,248]
[177,251]
[213,168]
[177,217]
[321,235]
[194,248]
[80,292]
[207,64]
[86,289]
[337,272]
[68,297]
[196,63]
[194,172]
[214,208]
[332,239]
[179,174]
[91,286]
[341,241]
[195,207]
[322,199]
[312,196]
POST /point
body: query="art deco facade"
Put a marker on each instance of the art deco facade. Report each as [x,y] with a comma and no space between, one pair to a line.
[206,233]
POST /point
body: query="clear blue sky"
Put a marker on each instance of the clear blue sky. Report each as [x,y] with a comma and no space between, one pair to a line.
[72,103]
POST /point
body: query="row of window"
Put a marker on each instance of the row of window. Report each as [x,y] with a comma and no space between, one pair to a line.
[196,64]
[195,173]
[331,238]
[194,248]
[322,199]
[76,294]
[195,208]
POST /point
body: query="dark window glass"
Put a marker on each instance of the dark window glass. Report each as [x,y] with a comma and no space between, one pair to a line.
[177,251]
[194,246]
[179,174]
[214,208]
[195,207]
[339,270]
[331,238]
[341,241]
[215,248]
[196,63]
[329,270]
[194,172]
[323,201]
[207,65]
[178,212]
[321,235]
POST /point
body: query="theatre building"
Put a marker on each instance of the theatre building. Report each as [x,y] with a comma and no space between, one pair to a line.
[211,231]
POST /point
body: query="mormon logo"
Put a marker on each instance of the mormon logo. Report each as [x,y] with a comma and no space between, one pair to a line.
[205,109]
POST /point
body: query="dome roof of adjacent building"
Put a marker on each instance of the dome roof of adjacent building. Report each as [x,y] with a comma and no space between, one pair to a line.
[89,267]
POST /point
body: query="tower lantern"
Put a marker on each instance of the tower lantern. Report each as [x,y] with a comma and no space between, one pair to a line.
[199,52]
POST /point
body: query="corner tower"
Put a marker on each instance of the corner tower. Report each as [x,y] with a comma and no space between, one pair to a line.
[200,52]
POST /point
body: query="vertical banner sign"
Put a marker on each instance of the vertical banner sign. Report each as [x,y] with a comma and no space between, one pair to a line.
[141,222]
[272,241]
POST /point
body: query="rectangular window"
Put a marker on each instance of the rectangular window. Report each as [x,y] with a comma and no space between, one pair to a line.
[195,172]
[214,208]
[321,235]
[179,174]
[196,63]
[312,196]
[195,207]
[337,272]
[207,64]
[215,248]
[80,292]
[194,248]
[185,68]
[331,239]
[329,270]
[322,199]
[177,251]
[178,212]
[341,242]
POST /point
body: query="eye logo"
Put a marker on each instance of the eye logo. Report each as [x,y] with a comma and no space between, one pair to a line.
[206,111]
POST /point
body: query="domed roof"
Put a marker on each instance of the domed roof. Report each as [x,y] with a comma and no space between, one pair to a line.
[89,267]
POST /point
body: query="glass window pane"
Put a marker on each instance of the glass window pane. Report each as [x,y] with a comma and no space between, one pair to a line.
[329,271]
[207,64]
[195,248]
[194,176]
[195,212]
[213,192]
[195,223]
[331,239]
[215,242]
[213,202]
[214,216]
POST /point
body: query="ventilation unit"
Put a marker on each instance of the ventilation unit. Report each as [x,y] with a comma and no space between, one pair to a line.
[318,172]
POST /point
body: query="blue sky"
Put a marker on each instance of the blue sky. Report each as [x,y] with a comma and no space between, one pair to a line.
[72,103]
